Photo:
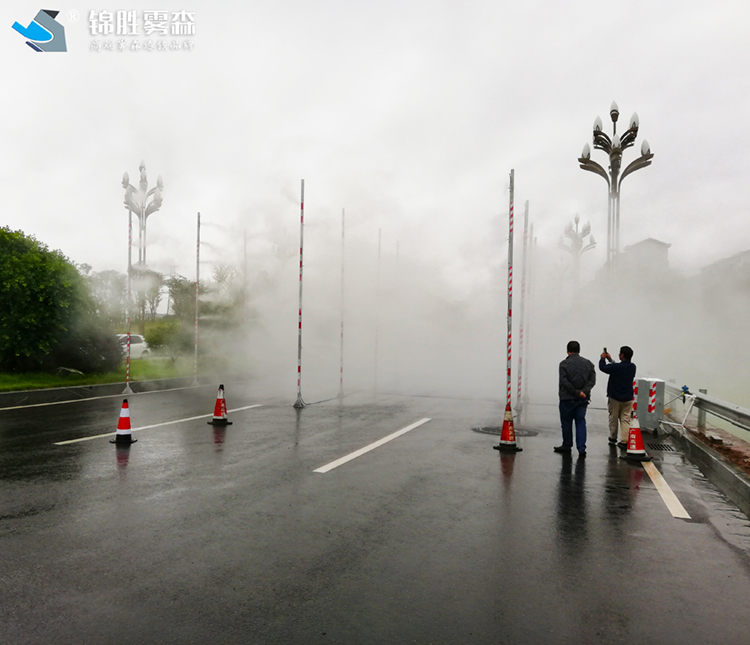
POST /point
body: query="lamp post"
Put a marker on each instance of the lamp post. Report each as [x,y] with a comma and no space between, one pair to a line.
[577,248]
[614,175]
[137,201]
[143,202]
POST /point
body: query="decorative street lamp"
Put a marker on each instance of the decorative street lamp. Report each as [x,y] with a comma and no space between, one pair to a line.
[577,239]
[614,147]
[137,201]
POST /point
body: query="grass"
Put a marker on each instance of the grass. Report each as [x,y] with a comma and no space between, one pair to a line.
[140,370]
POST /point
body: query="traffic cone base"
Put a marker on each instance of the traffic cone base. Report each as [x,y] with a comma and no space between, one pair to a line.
[508,434]
[123,440]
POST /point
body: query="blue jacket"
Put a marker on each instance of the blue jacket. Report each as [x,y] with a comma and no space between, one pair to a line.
[620,383]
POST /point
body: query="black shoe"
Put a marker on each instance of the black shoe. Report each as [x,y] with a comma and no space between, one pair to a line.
[582,453]
[612,441]
[622,444]
[562,449]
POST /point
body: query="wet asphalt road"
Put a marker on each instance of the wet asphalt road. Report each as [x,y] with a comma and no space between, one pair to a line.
[204,535]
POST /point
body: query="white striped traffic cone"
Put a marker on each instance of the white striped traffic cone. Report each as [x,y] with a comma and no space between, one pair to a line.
[636,451]
[220,410]
[123,436]
[508,434]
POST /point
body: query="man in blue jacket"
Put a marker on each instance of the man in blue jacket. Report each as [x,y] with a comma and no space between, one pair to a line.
[577,378]
[619,392]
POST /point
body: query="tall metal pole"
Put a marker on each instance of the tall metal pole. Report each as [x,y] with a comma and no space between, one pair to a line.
[508,435]
[244,277]
[377,310]
[519,400]
[341,372]
[528,324]
[141,269]
[197,284]
[610,229]
[510,284]
[144,235]
[127,389]
[299,403]
[397,299]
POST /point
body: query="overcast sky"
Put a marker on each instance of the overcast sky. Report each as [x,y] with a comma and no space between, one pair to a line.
[410,114]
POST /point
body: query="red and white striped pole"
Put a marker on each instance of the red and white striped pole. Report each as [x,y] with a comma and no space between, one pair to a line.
[510,286]
[519,400]
[197,284]
[299,403]
[529,292]
[127,389]
[341,371]
[377,312]
[635,398]
[508,434]
[652,398]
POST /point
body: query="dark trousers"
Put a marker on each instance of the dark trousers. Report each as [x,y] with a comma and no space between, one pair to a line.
[570,411]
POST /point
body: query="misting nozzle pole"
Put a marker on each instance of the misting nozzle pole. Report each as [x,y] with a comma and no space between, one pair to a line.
[197,284]
[377,309]
[528,320]
[510,284]
[341,373]
[300,403]
[127,389]
[519,400]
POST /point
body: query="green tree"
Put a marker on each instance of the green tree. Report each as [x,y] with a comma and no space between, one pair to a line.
[47,315]
[181,297]
[154,282]
[110,292]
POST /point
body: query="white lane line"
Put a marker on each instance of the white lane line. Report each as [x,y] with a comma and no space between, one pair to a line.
[97,398]
[372,446]
[670,499]
[155,425]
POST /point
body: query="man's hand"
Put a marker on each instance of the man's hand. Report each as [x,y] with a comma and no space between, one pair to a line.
[582,395]
[606,355]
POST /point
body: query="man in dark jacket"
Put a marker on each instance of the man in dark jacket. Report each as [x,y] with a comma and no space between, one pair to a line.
[619,392]
[577,378]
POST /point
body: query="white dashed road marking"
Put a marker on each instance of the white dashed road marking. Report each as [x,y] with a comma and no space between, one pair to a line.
[372,446]
[155,425]
[670,499]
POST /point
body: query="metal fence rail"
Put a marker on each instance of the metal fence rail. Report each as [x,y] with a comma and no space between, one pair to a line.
[735,414]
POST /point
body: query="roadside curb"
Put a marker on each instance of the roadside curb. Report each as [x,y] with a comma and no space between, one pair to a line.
[729,479]
[59,394]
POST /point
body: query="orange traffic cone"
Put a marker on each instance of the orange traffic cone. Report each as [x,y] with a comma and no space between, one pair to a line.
[508,434]
[220,410]
[123,435]
[636,451]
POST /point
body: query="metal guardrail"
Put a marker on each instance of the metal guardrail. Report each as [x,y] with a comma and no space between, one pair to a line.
[735,414]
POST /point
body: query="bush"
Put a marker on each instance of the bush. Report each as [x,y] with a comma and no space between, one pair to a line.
[170,337]
[47,314]
[88,348]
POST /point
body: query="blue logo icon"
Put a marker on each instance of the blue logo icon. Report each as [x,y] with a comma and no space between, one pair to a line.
[44,33]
